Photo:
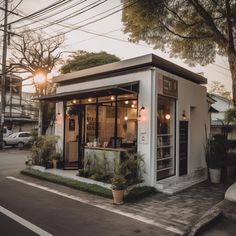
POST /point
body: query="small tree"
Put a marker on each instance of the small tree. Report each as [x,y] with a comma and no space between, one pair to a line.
[82,60]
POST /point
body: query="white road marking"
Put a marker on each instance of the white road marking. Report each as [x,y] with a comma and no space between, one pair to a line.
[24,222]
[110,209]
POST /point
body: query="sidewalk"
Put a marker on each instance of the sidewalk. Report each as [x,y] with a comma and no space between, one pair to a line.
[176,213]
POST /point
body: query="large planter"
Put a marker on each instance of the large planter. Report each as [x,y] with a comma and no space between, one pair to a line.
[54,164]
[215,175]
[118,196]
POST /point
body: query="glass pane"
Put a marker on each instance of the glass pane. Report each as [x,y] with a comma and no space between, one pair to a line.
[165,137]
[127,122]
[106,119]
[90,123]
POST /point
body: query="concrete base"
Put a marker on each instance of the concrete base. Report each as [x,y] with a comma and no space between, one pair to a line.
[231,193]
[176,184]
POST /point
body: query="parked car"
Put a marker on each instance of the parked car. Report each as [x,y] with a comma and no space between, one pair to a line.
[6,132]
[18,139]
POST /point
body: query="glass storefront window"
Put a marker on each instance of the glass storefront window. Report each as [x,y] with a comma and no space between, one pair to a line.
[165,137]
[127,122]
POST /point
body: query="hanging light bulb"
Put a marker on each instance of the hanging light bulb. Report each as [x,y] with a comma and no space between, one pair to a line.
[126,102]
[167,116]
[132,105]
[112,98]
[90,100]
[126,118]
[74,101]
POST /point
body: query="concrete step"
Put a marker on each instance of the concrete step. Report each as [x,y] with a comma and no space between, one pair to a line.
[181,186]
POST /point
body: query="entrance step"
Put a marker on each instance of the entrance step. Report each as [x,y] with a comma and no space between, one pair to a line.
[173,185]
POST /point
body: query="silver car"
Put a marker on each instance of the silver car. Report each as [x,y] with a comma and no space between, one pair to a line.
[18,139]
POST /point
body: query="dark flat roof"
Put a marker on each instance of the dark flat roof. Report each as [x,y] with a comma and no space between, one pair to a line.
[125,66]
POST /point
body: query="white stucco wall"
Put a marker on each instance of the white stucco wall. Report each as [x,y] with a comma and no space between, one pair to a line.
[144,99]
[191,98]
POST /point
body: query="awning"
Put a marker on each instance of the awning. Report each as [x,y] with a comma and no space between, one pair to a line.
[119,89]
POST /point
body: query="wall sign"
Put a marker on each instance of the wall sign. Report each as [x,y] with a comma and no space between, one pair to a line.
[143,135]
[167,86]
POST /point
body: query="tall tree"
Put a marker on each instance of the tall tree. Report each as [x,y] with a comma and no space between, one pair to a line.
[82,60]
[195,30]
[32,54]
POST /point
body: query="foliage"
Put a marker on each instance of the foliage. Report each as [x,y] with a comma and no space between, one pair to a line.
[96,168]
[138,193]
[118,182]
[56,156]
[82,60]
[43,149]
[230,115]
[90,188]
[216,151]
[192,30]
[132,167]
[217,87]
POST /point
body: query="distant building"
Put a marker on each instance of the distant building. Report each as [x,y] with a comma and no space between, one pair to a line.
[218,125]
[20,112]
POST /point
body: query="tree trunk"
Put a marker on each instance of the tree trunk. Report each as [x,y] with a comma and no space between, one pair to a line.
[232,66]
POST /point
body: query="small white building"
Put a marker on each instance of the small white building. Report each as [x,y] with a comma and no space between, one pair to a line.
[145,104]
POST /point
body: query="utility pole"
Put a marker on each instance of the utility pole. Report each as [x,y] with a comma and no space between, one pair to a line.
[4,75]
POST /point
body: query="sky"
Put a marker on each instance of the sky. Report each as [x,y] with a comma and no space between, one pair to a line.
[89,24]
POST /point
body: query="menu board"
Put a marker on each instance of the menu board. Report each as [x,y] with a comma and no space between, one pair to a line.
[183,147]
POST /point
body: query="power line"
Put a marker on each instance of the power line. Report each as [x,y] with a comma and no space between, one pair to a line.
[72,15]
[55,13]
[91,22]
[43,10]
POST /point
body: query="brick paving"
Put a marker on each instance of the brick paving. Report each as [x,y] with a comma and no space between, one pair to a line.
[180,211]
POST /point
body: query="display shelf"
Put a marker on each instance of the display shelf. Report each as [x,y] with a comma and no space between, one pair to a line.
[166,168]
[165,158]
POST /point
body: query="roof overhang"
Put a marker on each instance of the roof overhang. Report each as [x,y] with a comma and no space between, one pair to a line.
[119,89]
[127,66]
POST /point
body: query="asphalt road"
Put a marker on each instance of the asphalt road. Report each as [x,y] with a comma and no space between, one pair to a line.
[55,214]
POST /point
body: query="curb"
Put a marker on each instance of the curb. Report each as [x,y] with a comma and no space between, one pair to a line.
[207,218]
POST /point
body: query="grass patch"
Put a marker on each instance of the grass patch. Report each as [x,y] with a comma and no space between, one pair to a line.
[139,193]
[86,187]
[134,195]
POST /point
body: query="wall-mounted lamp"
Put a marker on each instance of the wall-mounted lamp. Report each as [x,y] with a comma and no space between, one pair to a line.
[139,112]
[184,117]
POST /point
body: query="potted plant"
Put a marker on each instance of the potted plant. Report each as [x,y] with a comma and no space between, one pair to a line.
[118,185]
[55,158]
[216,157]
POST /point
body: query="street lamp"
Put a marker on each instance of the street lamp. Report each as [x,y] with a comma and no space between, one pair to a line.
[40,82]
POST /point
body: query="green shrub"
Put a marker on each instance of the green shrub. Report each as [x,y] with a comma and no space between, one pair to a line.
[138,193]
[43,148]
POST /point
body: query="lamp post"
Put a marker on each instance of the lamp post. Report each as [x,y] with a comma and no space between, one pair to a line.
[40,82]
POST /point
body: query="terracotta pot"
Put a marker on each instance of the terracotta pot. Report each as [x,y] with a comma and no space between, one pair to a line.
[54,164]
[118,196]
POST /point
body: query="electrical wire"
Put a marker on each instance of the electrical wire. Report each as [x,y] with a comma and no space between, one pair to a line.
[43,10]
[72,15]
